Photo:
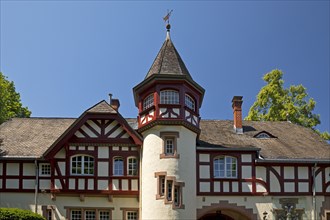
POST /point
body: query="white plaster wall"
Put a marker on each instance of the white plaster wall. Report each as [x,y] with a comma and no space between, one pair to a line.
[60,154]
[44,184]
[204,171]
[12,169]
[103,169]
[26,201]
[246,172]
[303,172]
[246,158]
[318,180]
[29,169]
[1,168]
[289,173]
[204,157]
[29,184]
[274,183]
[61,165]
[261,173]
[103,152]
[12,183]
[184,169]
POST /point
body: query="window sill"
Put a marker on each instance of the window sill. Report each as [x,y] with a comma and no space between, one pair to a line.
[165,156]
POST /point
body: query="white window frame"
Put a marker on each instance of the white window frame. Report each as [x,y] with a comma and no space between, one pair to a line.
[189,102]
[225,167]
[170,97]
[148,101]
[132,166]
[78,215]
[44,169]
[118,168]
[85,160]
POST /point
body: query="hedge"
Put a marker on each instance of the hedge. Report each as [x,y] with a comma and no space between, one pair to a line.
[18,214]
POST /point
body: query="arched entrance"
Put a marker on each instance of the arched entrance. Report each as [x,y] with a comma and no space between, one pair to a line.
[225,211]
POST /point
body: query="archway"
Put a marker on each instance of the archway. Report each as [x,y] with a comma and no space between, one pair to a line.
[225,211]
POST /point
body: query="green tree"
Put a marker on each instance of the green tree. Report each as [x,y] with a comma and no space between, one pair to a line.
[276,103]
[10,101]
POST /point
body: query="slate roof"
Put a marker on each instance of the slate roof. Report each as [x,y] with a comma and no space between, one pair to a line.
[102,107]
[291,141]
[168,61]
[31,137]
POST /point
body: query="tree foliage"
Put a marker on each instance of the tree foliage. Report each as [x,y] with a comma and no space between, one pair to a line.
[18,214]
[276,103]
[10,101]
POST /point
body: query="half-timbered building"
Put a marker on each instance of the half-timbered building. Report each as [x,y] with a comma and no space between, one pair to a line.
[168,163]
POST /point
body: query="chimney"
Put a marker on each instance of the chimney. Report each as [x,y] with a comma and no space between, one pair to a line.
[114,103]
[237,108]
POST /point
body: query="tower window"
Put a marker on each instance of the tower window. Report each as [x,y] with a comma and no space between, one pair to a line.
[148,101]
[169,97]
[169,149]
[189,102]
[225,167]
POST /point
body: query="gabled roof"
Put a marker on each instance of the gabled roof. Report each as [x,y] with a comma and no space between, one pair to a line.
[102,107]
[168,61]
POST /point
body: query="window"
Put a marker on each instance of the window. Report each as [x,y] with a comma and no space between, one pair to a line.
[225,167]
[162,186]
[44,169]
[169,146]
[148,101]
[189,102]
[131,215]
[76,215]
[49,214]
[177,196]
[82,165]
[169,190]
[118,166]
[169,149]
[104,215]
[132,166]
[90,215]
[169,97]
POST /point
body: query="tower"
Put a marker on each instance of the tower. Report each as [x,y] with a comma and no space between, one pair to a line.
[168,100]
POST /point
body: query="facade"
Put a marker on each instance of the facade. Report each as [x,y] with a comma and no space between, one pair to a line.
[166,164]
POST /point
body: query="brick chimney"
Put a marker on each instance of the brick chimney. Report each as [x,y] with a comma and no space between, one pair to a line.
[237,109]
[114,103]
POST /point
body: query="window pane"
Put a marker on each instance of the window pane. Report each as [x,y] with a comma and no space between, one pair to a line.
[148,102]
[104,215]
[131,215]
[75,215]
[132,166]
[90,215]
[118,167]
[169,97]
[189,102]
[169,146]
[169,190]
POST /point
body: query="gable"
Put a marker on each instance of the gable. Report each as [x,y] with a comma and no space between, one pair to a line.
[97,127]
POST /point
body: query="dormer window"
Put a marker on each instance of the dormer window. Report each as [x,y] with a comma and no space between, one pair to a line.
[189,102]
[148,101]
[169,97]
[264,135]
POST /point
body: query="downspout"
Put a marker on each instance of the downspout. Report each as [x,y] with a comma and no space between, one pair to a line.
[36,186]
[314,191]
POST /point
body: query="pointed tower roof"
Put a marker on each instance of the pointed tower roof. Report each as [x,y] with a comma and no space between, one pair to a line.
[168,60]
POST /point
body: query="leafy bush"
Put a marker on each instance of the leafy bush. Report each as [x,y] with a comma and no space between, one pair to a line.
[18,214]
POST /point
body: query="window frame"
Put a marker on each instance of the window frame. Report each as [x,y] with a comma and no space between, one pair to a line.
[166,136]
[132,171]
[148,102]
[83,163]
[217,168]
[41,169]
[83,211]
[128,210]
[189,102]
[169,97]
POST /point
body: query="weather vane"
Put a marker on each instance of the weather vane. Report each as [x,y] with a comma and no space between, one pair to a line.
[167,17]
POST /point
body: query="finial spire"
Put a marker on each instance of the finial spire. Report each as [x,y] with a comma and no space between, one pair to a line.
[168,26]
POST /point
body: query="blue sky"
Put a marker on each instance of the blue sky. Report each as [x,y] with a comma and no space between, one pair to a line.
[65,56]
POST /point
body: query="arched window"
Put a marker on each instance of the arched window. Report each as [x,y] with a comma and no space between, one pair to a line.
[225,167]
[148,101]
[189,102]
[118,166]
[169,97]
[82,165]
[131,166]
